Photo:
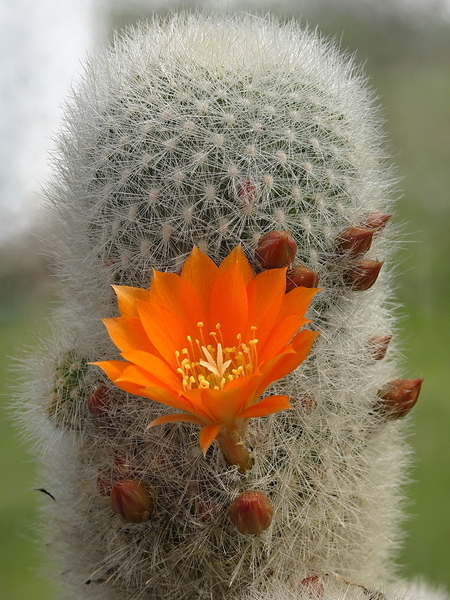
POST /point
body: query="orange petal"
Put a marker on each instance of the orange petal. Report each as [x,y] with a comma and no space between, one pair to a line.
[284,363]
[178,296]
[164,329]
[225,405]
[280,336]
[228,304]
[176,418]
[238,256]
[127,333]
[195,397]
[126,298]
[296,302]
[303,342]
[200,271]
[266,293]
[157,369]
[114,369]
[170,398]
[135,375]
[208,434]
[266,406]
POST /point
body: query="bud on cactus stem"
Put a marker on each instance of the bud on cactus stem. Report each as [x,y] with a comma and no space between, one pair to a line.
[314,585]
[301,276]
[356,240]
[376,221]
[363,275]
[399,397]
[378,346]
[251,512]
[131,501]
[276,249]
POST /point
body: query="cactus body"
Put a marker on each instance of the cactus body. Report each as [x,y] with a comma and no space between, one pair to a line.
[212,132]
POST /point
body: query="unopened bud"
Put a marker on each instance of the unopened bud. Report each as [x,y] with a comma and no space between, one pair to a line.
[308,402]
[247,192]
[364,274]
[251,512]
[399,396]
[314,586]
[276,249]
[355,240]
[99,401]
[206,511]
[376,221]
[131,500]
[378,346]
[301,276]
[106,477]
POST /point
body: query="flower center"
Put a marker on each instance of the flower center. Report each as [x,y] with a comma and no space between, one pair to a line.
[211,364]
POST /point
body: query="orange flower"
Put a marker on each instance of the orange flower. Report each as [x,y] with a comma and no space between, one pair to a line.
[209,342]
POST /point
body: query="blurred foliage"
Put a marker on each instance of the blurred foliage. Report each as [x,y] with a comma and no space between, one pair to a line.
[25,295]
[408,64]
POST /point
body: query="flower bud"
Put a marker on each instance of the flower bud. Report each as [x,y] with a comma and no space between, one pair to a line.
[314,586]
[251,512]
[398,397]
[99,401]
[107,476]
[364,275]
[355,240]
[378,346]
[206,511]
[308,402]
[247,192]
[276,249]
[376,221]
[301,276]
[131,500]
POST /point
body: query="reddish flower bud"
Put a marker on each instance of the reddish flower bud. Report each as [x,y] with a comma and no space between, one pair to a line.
[108,262]
[99,401]
[364,275]
[106,477]
[247,191]
[206,511]
[314,585]
[308,402]
[276,249]
[376,221]
[131,500]
[355,240]
[399,397]
[378,346]
[301,276]
[251,512]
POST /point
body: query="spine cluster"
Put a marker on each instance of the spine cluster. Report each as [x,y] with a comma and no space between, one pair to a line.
[208,131]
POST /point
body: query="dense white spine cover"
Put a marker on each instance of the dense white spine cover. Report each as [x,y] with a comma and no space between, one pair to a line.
[212,131]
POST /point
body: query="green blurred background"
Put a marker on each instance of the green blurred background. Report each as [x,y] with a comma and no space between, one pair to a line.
[408,63]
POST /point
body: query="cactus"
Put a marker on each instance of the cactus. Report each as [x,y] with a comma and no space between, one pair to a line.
[216,132]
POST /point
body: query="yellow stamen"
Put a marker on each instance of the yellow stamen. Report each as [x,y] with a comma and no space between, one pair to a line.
[214,364]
